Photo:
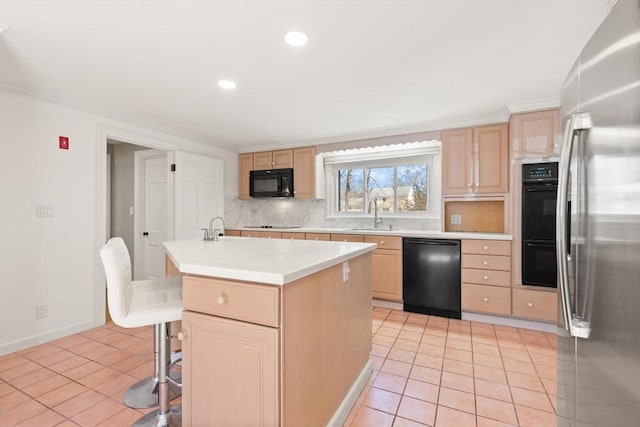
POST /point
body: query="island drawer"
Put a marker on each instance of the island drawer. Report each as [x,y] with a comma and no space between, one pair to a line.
[486,277]
[241,301]
[486,299]
[385,242]
[488,262]
[489,247]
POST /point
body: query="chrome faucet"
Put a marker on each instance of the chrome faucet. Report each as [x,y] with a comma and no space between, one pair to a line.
[376,221]
[212,233]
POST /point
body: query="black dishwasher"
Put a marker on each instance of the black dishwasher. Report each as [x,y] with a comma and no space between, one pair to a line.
[431,276]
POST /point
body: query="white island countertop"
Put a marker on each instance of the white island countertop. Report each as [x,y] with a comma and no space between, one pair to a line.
[270,261]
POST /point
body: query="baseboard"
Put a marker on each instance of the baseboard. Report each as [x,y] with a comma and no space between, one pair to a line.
[345,407]
[486,318]
[509,321]
[387,304]
[32,341]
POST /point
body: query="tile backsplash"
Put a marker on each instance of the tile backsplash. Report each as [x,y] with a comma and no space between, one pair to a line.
[306,213]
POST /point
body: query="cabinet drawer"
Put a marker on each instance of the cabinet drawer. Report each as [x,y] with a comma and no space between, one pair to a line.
[241,301]
[318,236]
[292,235]
[271,234]
[489,247]
[486,277]
[235,233]
[385,242]
[248,233]
[347,238]
[540,305]
[486,299]
[486,262]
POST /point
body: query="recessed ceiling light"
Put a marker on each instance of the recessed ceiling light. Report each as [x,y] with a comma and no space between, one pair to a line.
[296,38]
[227,84]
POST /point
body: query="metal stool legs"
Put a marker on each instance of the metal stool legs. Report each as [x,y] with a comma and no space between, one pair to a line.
[144,394]
[165,415]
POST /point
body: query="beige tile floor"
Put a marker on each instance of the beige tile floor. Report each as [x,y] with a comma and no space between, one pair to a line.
[427,371]
[453,373]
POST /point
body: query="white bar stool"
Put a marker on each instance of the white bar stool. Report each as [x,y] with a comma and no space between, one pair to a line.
[133,304]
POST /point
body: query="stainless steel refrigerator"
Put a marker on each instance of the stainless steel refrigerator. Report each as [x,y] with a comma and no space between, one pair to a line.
[598,229]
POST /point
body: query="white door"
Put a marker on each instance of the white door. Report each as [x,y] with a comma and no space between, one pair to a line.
[152,228]
[198,193]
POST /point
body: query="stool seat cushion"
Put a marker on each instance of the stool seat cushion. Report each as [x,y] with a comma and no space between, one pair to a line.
[138,303]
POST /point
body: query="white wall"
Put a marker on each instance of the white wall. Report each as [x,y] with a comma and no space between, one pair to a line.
[54,261]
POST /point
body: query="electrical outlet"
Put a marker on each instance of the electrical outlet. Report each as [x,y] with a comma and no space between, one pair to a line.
[41,312]
[456,219]
[346,270]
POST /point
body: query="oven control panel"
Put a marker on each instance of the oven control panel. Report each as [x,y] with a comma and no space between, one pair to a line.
[535,172]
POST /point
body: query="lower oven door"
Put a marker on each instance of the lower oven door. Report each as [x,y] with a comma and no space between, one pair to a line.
[539,267]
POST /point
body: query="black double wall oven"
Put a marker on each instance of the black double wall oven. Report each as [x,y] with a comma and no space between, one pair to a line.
[539,193]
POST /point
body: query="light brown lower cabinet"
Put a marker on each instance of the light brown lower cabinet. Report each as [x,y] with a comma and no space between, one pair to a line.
[486,299]
[243,357]
[387,267]
[263,355]
[537,305]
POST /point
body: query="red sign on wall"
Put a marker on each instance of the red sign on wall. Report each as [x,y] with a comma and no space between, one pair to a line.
[63,142]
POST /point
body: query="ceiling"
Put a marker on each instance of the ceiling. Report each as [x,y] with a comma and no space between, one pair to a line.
[371,68]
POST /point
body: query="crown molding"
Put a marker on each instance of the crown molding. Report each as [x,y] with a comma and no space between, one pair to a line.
[540,104]
[69,103]
[382,133]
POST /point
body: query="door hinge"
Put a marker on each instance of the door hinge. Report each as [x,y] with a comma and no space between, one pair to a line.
[173,167]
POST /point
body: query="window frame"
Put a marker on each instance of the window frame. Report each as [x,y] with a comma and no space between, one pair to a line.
[434,190]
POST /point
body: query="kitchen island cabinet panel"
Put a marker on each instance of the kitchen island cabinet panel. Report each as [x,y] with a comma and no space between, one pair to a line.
[233,372]
[326,341]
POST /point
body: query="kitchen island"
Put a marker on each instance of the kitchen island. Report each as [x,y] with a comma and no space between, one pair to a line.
[275,332]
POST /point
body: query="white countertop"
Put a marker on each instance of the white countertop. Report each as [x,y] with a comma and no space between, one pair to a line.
[271,261]
[433,234]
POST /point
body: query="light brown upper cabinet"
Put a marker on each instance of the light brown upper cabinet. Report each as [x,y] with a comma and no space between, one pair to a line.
[304,176]
[535,134]
[475,160]
[245,165]
[273,160]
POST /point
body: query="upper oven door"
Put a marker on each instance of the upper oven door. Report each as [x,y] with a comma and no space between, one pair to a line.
[539,211]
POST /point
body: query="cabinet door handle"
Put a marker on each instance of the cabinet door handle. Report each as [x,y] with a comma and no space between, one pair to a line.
[382,242]
[182,335]
[529,304]
[485,299]
[486,277]
[485,262]
[222,299]
[485,247]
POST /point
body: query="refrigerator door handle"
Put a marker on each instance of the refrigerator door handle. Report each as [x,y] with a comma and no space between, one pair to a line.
[578,122]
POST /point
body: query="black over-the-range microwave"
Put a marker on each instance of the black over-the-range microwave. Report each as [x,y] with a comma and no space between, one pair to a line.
[271,183]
